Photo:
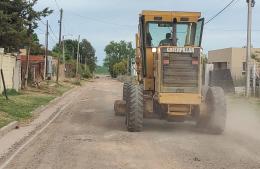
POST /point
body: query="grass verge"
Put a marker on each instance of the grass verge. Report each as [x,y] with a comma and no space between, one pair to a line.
[19,107]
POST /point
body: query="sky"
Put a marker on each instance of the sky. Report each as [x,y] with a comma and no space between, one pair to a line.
[102,21]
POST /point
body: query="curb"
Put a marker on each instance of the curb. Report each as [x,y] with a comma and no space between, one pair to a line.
[43,107]
[18,146]
[11,126]
[4,130]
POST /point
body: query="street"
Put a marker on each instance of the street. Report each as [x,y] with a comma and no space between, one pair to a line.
[88,135]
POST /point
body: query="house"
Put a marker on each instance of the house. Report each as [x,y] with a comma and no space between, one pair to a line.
[233,59]
[36,68]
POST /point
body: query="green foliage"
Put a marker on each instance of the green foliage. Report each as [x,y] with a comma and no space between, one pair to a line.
[256,57]
[70,47]
[21,106]
[11,92]
[116,52]
[4,119]
[18,20]
[71,68]
[88,55]
[87,52]
[36,47]
[101,70]
[76,82]
[84,71]
[120,68]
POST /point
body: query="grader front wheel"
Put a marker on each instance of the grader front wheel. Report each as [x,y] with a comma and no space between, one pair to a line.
[119,105]
[135,109]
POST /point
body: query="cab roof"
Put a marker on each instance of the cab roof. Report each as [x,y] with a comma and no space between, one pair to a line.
[181,16]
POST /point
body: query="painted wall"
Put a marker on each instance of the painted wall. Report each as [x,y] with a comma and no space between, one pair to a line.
[12,72]
[234,58]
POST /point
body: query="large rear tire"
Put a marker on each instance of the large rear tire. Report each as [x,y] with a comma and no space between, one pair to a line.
[216,110]
[135,108]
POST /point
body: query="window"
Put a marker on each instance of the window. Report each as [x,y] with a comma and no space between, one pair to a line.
[220,66]
[199,31]
[187,34]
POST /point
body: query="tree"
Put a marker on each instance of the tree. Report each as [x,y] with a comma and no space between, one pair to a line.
[88,55]
[255,57]
[120,68]
[101,70]
[87,52]
[116,52]
[37,48]
[70,49]
[18,20]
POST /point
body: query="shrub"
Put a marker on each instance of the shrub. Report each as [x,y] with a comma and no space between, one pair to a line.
[76,82]
[120,68]
[84,71]
[11,92]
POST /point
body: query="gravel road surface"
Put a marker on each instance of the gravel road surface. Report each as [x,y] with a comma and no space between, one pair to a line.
[87,135]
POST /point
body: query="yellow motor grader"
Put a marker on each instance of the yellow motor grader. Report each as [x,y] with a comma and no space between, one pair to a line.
[169,79]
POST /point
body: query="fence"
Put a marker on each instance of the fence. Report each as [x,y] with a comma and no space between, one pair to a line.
[223,79]
[11,71]
[36,68]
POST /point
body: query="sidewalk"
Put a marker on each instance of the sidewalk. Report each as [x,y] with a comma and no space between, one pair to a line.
[15,138]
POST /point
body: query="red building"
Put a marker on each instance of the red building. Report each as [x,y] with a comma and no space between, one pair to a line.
[36,67]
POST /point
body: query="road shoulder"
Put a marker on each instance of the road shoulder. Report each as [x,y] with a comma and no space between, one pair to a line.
[12,140]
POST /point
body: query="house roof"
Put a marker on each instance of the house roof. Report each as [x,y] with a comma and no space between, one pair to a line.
[33,58]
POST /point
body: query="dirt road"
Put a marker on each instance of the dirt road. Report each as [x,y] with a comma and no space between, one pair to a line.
[89,136]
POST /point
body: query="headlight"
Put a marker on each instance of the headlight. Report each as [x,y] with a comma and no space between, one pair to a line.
[154,50]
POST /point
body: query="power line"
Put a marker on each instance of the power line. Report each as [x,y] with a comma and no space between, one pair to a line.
[54,41]
[99,20]
[232,30]
[64,28]
[57,5]
[43,23]
[53,33]
[42,31]
[228,5]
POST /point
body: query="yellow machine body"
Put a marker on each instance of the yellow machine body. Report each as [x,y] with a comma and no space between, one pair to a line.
[169,88]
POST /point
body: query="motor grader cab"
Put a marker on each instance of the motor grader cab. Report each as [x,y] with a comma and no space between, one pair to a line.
[169,74]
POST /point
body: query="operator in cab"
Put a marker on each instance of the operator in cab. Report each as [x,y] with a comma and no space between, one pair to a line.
[167,41]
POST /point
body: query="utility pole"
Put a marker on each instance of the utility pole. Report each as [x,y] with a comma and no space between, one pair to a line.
[77,65]
[63,53]
[58,65]
[46,49]
[251,4]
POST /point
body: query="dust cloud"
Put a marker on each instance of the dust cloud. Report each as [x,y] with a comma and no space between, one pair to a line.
[243,116]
